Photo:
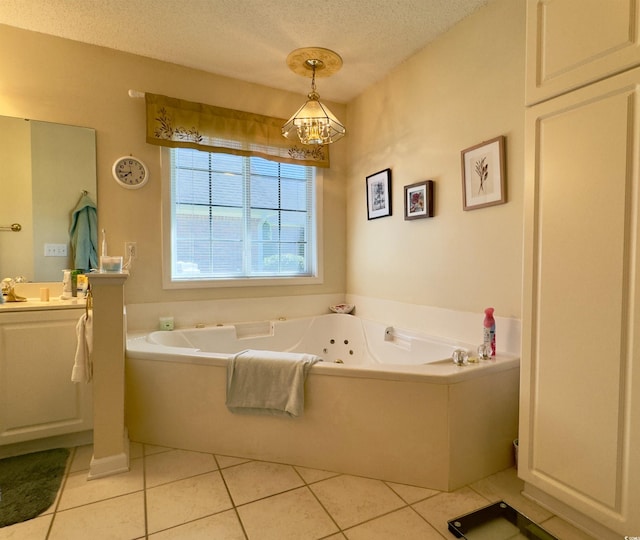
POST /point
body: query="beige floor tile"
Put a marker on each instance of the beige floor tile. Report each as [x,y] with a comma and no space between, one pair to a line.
[506,486]
[257,479]
[82,458]
[314,475]
[34,529]
[78,490]
[404,523]
[223,526]
[229,461]
[439,509]
[119,518]
[565,531]
[411,494]
[351,500]
[176,465]
[150,449]
[185,500]
[294,515]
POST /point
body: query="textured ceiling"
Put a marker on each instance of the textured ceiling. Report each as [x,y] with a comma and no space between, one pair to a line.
[250,39]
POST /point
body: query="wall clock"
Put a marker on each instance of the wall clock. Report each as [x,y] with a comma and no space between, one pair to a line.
[130,172]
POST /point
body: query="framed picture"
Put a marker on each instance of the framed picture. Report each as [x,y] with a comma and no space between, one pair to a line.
[483,175]
[379,194]
[418,200]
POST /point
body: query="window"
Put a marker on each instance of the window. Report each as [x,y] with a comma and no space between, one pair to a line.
[237,220]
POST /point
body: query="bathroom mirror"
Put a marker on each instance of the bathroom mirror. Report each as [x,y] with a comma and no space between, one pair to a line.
[45,169]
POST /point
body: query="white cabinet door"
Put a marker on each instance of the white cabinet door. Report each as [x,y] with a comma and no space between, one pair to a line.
[580,396]
[37,397]
[571,43]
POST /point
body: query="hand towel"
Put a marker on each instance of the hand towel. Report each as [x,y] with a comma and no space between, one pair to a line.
[82,367]
[267,382]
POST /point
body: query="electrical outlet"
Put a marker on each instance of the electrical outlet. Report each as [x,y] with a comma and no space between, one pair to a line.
[131,250]
[55,250]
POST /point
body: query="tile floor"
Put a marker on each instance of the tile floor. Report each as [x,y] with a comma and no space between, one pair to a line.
[176,494]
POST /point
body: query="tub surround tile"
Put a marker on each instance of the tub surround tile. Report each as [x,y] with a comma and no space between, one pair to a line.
[78,490]
[257,479]
[182,501]
[413,527]
[287,516]
[223,525]
[352,500]
[115,518]
[188,313]
[165,467]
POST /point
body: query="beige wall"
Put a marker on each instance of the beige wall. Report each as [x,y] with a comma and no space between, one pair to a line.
[465,88]
[58,80]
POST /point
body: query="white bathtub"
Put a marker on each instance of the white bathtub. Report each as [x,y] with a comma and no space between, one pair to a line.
[385,403]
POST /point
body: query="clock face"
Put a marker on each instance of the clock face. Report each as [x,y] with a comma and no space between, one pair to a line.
[130,172]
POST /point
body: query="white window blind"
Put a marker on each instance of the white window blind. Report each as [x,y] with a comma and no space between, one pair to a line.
[235,217]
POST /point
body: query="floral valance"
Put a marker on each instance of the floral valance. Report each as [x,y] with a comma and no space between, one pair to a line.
[179,123]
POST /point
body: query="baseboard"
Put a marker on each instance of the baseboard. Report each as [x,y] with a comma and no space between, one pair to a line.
[69,440]
[110,465]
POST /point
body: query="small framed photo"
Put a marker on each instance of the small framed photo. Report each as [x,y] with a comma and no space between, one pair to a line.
[483,175]
[418,200]
[379,194]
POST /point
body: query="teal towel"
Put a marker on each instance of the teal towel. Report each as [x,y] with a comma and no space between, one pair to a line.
[84,234]
[267,382]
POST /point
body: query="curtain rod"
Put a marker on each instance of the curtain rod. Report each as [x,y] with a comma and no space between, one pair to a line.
[136,94]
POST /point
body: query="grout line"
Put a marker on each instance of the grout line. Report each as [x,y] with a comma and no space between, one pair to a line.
[63,483]
[144,491]
[233,504]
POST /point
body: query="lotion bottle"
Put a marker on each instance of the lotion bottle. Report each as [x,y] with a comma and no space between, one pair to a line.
[490,330]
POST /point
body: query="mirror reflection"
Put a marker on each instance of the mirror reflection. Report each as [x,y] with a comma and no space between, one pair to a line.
[47,170]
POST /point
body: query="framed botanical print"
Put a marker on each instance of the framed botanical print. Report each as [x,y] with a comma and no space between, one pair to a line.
[483,175]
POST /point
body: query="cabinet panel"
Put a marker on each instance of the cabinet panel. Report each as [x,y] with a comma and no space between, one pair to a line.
[37,397]
[571,43]
[580,293]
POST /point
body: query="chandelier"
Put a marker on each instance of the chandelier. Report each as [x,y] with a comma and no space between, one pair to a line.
[314,123]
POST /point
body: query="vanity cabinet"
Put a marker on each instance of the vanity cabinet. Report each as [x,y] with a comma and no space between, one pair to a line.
[571,43]
[37,397]
[579,447]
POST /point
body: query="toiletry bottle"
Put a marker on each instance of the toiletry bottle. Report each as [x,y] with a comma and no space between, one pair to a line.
[490,330]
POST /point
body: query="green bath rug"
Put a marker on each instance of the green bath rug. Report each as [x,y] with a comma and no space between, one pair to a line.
[29,484]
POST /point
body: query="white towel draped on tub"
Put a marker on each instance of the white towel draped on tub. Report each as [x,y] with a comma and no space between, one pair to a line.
[83,368]
[267,382]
